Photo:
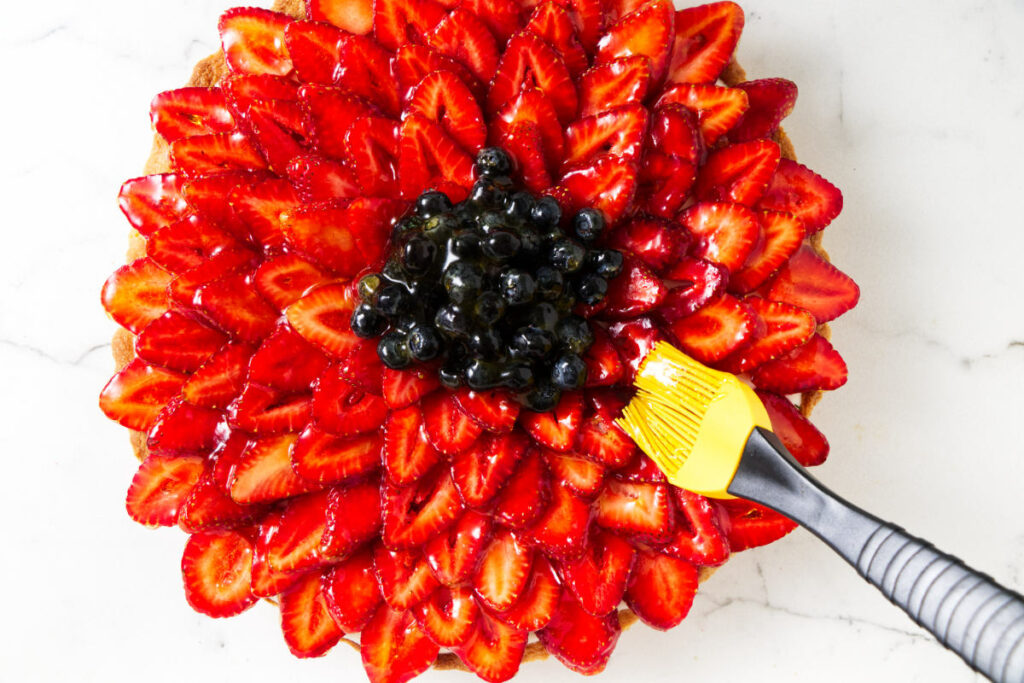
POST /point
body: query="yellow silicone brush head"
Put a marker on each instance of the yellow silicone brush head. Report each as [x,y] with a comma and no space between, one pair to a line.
[691,420]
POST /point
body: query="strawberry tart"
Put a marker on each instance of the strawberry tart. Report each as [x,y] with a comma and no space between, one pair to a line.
[392,268]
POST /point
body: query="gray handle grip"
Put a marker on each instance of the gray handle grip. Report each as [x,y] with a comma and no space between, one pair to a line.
[965,610]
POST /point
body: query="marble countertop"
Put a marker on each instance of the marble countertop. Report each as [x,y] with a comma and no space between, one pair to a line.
[914,109]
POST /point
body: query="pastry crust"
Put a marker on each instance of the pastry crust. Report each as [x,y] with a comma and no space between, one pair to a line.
[210,71]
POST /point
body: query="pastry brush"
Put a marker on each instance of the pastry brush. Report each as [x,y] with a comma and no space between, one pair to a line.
[709,433]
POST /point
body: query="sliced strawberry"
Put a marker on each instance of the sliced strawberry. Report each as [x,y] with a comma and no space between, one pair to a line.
[725,233]
[614,83]
[752,525]
[184,428]
[253,41]
[283,280]
[325,458]
[295,543]
[598,577]
[353,518]
[636,509]
[394,648]
[332,111]
[264,410]
[404,577]
[529,61]
[503,571]
[261,206]
[363,368]
[188,243]
[402,388]
[553,24]
[209,507]
[582,477]
[532,107]
[661,589]
[364,68]
[495,411]
[815,366]
[536,606]
[216,153]
[453,554]
[429,156]
[278,143]
[771,100]
[500,16]
[415,514]
[152,201]
[634,339]
[217,571]
[462,36]
[354,16]
[781,328]
[226,458]
[190,111]
[480,471]
[397,22]
[220,379]
[136,395]
[178,342]
[664,183]
[344,410]
[696,282]
[738,173]
[705,39]
[442,97]
[561,531]
[342,238]
[318,179]
[618,131]
[313,47]
[259,92]
[603,441]
[579,640]
[372,147]
[801,438]
[407,455]
[800,191]
[606,182]
[414,62]
[648,31]
[604,367]
[699,538]
[286,361]
[781,235]
[635,292]
[493,650]
[322,317]
[525,495]
[717,108]
[309,630]
[183,287]
[448,428]
[205,194]
[160,488]
[718,329]
[448,615]
[557,429]
[235,307]
[264,472]
[675,131]
[268,582]
[351,591]
[809,281]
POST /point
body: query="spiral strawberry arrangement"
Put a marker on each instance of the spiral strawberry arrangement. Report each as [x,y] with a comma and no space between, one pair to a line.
[369,499]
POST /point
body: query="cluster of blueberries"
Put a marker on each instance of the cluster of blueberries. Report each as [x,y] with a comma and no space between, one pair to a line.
[486,289]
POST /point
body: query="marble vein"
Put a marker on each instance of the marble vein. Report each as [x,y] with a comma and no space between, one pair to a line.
[42,353]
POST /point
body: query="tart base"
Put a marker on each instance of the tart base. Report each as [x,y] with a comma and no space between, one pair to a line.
[210,71]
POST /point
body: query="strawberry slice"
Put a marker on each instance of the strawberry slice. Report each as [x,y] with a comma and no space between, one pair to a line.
[260,207]
[363,368]
[341,237]
[780,329]
[221,379]
[351,592]
[696,282]
[178,342]
[296,542]
[781,235]
[536,606]
[353,518]
[525,495]
[725,233]
[503,571]
[402,388]
[771,100]
[809,281]
[429,156]
[190,111]
[253,41]
[815,366]
[448,428]
[614,83]
[354,16]
[209,507]
[136,395]
[493,650]
[184,428]
[448,615]
[372,146]
[463,37]
[601,440]
[313,47]
[188,243]
[800,191]
[699,540]
[261,92]
[495,411]
[648,31]
[317,179]
[397,22]
[278,143]
[718,329]
[216,153]
[705,39]
[557,429]
[530,62]
[442,97]
[532,107]
[322,316]
[605,182]
[480,471]
[636,509]
[661,589]
[634,339]
[604,367]
[160,488]
[664,183]
[414,514]
[332,111]
[553,24]
[414,62]
[717,108]
[152,201]
[561,531]
[234,306]
[738,173]
[618,131]
[268,582]
[452,555]
[217,570]
[407,455]
[500,16]
[394,647]
[264,472]
[598,577]
[364,68]
[582,477]
[675,131]
[326,459]
[309,630]
[344,410]
[801,438]
[286,361]
[752,525]
[404,577]
[206,194]
[635,292]
[264,410]
[640,468]
[579,640]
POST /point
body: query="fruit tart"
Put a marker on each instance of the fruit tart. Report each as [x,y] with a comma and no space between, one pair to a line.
[393,266]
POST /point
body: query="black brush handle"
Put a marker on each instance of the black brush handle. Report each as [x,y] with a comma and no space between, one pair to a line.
[966,610]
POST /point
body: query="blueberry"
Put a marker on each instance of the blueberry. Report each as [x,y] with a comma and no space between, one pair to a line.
[452,319]
[545,316]
[440,228]
[531,343]
[487,192]
[569,372]
[546,212]
[394,351]
[588,224]
[529,246]
[491,220]
[406,225]
[367,322]
[543,398]
[451,376]
[465,244]
[549,283]
[500,245]
[432,202]
[492,161]
[518,206]
[516,286]
[517,376]
[424,342]
[463,280]
[485,343]
[607,263]
[368,286]
[575,334]
[392,300]
[481,374]
[567,255]
[489,308]
[418,255]
[591,288]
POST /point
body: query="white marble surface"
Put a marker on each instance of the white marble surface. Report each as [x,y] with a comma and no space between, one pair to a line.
[915,109]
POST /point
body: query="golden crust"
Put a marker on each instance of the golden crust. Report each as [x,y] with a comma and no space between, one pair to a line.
[210,71]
